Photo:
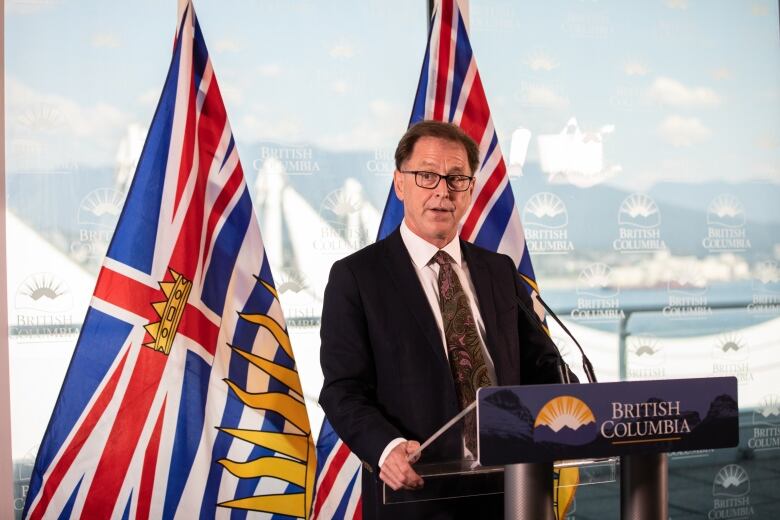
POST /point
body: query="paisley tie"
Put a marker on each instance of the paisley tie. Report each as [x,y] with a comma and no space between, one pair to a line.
[464,346]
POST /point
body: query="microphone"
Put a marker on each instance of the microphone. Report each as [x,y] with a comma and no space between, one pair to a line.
[560,364]
[586,364]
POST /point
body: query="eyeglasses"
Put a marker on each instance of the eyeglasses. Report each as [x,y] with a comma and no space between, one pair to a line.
[429,180]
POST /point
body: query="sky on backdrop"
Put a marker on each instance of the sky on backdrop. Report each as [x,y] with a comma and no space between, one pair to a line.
[691,87]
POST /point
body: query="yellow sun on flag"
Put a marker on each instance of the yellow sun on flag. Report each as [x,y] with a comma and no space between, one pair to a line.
[295,459]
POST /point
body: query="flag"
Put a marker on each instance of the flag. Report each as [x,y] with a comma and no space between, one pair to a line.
[450,89]
[181,398]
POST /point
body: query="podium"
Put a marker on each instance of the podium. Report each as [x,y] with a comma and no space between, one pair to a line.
[523,430]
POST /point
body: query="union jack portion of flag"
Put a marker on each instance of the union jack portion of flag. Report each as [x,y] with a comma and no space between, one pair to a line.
[182,398]
[450,89]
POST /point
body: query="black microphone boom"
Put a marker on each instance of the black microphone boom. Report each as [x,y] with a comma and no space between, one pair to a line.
[560,364]
[586,365]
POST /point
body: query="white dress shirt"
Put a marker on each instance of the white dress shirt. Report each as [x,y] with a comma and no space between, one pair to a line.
[421,253]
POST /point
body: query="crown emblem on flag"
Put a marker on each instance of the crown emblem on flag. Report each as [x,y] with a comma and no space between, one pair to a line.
[170,312]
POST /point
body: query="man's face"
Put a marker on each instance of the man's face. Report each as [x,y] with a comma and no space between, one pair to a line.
[433,215]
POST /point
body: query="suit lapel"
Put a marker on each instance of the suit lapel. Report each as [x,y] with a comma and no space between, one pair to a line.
[482,280]
[412,296]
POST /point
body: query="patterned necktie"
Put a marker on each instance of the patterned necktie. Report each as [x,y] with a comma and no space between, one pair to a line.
[464,347]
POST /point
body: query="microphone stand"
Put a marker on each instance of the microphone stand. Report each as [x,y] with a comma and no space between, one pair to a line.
[586,364]
[560,364]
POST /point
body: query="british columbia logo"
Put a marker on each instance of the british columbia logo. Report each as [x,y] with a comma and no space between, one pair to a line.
[597,295]
[344,228]
[567,420]
[97,216]
[545,220]
[726,226]
[381,163]
[639,226]
[766,424]
[299,309]
[687,294]
[296,160]
[731,493]
[44,292]
[766,289]
[730,357]
[44,305]
[646,357]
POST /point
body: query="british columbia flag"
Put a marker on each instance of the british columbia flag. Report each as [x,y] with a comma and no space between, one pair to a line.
[182,398]
[451,90]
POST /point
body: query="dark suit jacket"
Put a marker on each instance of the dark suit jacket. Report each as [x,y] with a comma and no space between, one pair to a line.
[386,373]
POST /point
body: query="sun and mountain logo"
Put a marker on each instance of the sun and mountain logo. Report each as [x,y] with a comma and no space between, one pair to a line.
[731,481]
[43,306]
[546,219]
[646,349]
[646,357]
[640,211]
[726,221]
[690,281]
[687,295]
[726,211]
[97,216]
[731,357]
[344,210]
[731,347]
[768,411]
[44,292]
[597,295]
[100,207]
[639,226]
[596,280]
[731,494]
[292,280]
[766,289]
[545,210]
[565,420]
[767,278]
[766,424]
[42,118]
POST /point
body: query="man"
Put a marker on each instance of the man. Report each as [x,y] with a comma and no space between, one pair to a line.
[413,324]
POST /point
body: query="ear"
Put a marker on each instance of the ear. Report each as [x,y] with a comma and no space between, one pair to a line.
[398,184]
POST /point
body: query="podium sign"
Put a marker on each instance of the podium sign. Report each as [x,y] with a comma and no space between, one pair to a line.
[542,423]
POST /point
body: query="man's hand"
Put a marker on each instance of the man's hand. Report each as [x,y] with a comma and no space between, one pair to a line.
[397,471]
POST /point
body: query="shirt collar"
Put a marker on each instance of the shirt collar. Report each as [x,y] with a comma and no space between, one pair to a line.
[422,251]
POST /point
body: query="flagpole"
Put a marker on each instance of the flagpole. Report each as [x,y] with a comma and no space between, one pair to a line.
[6,460]
[463,5]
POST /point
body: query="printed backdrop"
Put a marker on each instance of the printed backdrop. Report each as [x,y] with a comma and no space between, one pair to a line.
[643,148]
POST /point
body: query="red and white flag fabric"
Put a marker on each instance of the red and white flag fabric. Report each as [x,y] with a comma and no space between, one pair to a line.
[182,398]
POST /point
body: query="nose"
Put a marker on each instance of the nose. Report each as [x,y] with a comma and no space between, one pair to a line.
[441,189]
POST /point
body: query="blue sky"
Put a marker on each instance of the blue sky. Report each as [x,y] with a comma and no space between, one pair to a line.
[691,87]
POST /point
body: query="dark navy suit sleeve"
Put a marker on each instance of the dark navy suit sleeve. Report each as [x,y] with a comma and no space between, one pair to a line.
[349,392]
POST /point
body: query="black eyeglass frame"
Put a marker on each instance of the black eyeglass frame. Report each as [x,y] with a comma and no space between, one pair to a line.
[448,179]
